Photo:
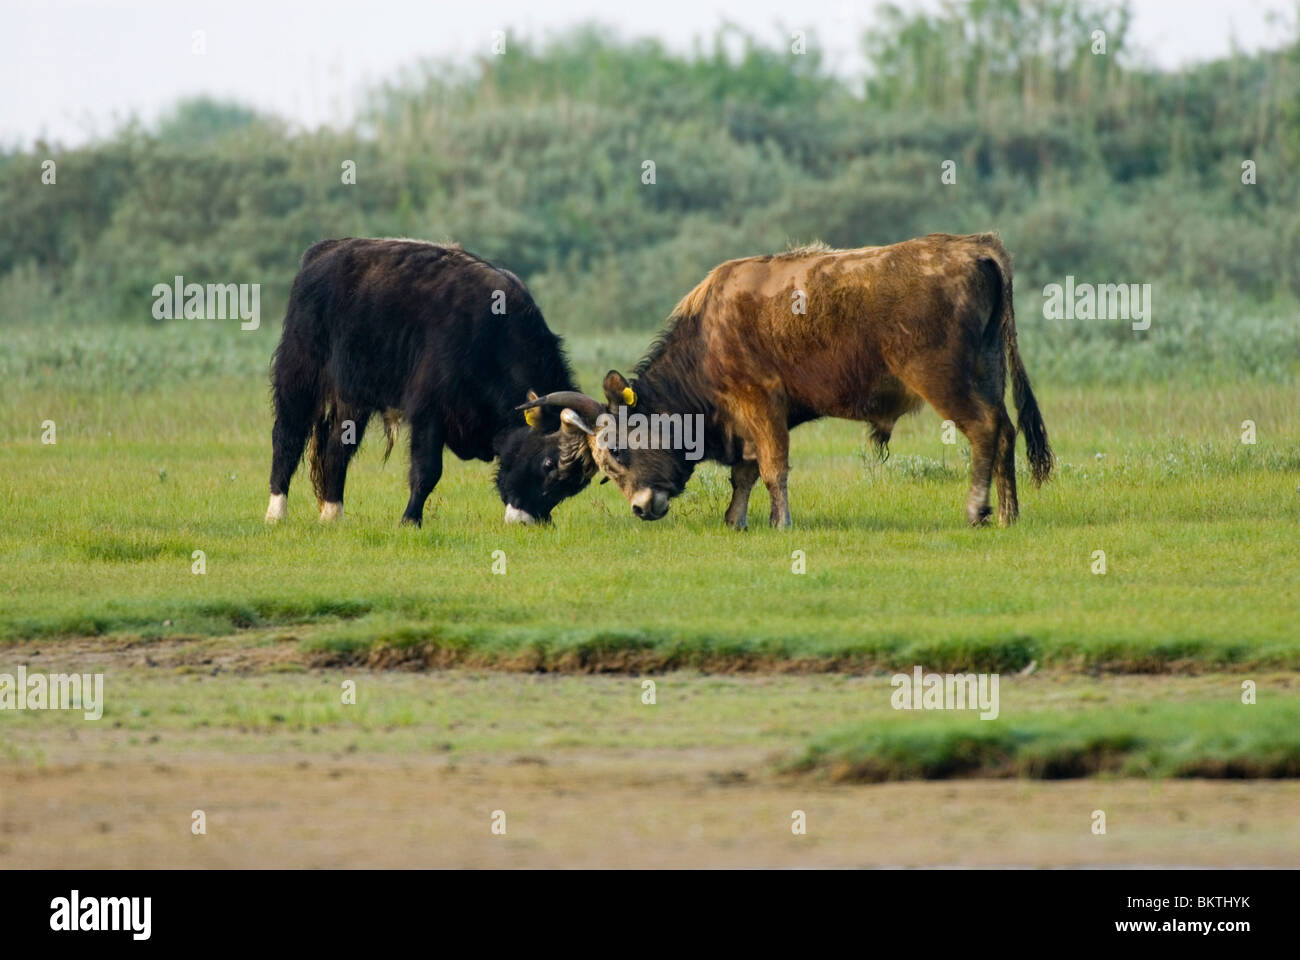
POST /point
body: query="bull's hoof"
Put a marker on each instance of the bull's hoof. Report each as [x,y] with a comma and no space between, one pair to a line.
[980,517]
[275,509]
[412,521]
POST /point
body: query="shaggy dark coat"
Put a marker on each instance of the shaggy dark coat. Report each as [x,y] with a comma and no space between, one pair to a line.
[420,332]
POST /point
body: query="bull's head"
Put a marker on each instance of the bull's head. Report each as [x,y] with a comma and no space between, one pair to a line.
[541,468]
[588,440]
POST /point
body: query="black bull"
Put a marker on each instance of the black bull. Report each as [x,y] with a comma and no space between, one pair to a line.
[425,333]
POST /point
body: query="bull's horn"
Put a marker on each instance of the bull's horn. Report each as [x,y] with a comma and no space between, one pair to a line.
[583,404]
[572,420]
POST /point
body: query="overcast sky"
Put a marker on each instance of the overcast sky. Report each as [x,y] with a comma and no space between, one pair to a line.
[70,69]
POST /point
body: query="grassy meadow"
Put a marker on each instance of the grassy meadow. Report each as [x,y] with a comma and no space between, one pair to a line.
[1197,528]
[1150,584]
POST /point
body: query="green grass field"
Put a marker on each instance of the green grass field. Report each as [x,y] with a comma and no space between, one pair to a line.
[155,461]
[1198,531]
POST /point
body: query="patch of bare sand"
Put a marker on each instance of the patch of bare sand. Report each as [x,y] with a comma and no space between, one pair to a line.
[251,653]
[644,811]
[63,805]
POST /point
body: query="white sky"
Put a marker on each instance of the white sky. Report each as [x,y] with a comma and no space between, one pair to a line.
[71,69]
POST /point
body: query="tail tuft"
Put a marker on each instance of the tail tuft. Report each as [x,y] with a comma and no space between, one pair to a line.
[391,419]
[1037,447]
[316,444]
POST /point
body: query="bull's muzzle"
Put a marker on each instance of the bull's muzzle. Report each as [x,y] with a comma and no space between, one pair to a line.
[649,504]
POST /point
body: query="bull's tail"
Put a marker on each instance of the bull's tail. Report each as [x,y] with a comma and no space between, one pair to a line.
[319,438]
[391,419]
[316,444]
[1031,424]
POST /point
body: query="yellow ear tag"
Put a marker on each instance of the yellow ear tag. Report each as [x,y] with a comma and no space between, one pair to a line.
[629,397]
[533,417]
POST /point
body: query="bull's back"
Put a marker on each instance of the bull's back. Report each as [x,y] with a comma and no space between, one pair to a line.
[410,325]
[831,329]
[358,306]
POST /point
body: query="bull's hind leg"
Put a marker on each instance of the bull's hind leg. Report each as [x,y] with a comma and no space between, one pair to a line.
[982,432]
[1004,469]
[345,429]
[977,420]
[426,466]
[295,411]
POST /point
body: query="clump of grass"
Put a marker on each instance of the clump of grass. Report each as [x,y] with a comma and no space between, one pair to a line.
[1171,740]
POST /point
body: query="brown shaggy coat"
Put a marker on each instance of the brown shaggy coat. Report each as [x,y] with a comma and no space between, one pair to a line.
[766,343]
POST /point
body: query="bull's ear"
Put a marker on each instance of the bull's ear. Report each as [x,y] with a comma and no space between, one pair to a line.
[618,391]
[533,416]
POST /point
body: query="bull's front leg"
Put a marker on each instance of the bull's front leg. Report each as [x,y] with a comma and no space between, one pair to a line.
[743,477]
[774,467]
[776,488]
[761,417]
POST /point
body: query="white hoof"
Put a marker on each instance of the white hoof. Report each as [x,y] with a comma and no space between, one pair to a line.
[330,511]
[275,509]
[515,515]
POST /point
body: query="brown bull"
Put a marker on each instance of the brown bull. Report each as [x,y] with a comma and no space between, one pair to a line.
[767,343]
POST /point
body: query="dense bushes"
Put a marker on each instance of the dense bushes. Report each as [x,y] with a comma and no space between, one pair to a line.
[1091,165]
